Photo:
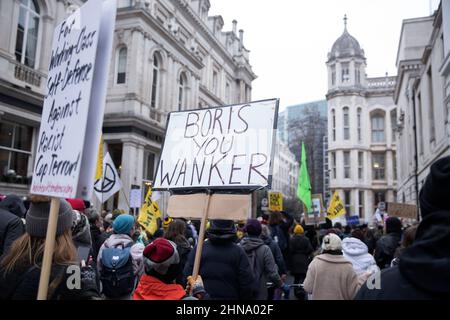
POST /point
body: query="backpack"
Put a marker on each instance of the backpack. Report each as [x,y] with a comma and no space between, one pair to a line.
[255,266]
[117,275]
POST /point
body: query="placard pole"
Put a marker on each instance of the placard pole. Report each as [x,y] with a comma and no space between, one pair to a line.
[49,248]
[201,238]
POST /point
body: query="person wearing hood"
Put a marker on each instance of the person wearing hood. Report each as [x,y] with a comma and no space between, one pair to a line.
[175,233]
[12,211]
[357,252]
[330,276]
[161,260]
[423,270]
[277,255]
[407,239]
[301,252]
[224,266]
[387,244]
[261,259]
[81,233]
[123,228]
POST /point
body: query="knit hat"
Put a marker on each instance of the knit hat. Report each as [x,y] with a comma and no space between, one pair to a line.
[222,227]
[393,225]
[298,229]
[37,217]
[77,204]
[331,242]
[160,255]
[167,222]
[253,227]
[434,195]
[123,224]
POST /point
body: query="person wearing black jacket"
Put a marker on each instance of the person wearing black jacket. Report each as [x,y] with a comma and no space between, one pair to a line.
[20,268]
[12,210]
[423,270]
[386,246]
[224,266]
[98,237]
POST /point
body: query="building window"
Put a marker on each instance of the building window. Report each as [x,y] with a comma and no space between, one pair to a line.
[15,151]
[333,165]
[333,75]
[431,123]
[345,73]
[346,124]
[182,90]
[150,166]
[347,201]
[227,92]
[393,123]
[121,65]
[346,164]
[361,204]
[358,116]
[27,33]
[360,165]
[378,165]
[215,82]
[379,196]
[333,116]
[378,128]
[357,73]
[155,81]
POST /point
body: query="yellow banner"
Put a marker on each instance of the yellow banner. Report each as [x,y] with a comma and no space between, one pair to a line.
[149,213]
[336,207]
[275,201]
[99,168]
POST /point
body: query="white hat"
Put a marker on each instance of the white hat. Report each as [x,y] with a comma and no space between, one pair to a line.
[331,242]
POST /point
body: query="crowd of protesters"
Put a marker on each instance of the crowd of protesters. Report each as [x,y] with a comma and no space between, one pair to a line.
[256,259]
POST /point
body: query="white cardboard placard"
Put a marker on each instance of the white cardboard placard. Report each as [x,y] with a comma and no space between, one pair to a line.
[73,113]
[221,148]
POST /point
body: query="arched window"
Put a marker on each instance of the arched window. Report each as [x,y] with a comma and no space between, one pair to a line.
[359,119]
[333,123]
[121,65]
[182,91]
[346,123]
[377,121]
[156,80]
[27,33]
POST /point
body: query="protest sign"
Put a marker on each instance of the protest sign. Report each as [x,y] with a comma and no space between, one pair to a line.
[317,214]
[402,210]
[72,115]
[219,148]
[353,220]
[275,201]
[136,197]
[109,183]
[149,214]
[336,207]
[70,130]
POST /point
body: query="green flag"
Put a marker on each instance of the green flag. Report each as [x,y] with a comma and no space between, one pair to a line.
[304,186]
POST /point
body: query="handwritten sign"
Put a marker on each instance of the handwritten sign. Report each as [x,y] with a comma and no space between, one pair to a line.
[275,201]
[224,147]
[402,210]
[73,113]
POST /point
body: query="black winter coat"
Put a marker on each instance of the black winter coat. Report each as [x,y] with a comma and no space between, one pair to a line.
[385,250]
[423,270]
[301,252]
[23,284]
[224,268]
[11,228]
[98,238]
[277,255]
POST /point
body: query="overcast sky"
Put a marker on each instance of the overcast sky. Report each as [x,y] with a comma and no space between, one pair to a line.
[289,39]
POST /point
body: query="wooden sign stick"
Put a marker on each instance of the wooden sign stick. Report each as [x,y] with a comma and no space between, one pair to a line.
[49,248]
[201,238]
